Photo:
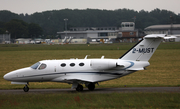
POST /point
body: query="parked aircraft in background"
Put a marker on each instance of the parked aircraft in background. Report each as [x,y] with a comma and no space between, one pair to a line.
[89,71]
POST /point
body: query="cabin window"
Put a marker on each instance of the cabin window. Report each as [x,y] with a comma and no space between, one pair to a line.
[42,66]
[72,64]
[35,66]
[81,64]
[63,65]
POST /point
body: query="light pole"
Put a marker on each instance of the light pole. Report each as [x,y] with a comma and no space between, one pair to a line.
[134,18]
[171,18]
[66,25]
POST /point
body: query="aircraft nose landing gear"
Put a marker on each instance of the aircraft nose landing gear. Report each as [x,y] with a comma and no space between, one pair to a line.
[79,88]
[26,88]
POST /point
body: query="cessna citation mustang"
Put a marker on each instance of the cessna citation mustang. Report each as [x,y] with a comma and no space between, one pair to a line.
[89,71]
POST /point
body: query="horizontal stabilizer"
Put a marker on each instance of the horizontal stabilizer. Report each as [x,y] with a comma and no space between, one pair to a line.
[136,68]
[171,37]
[162,36]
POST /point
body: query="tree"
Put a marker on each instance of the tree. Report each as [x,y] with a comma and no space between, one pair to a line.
[17,28]
[2,30]
[53,21]
[34,30]
[20,29]
[6,16]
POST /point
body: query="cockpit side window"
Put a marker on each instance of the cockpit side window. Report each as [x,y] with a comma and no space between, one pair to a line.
[42,66]
[35,66]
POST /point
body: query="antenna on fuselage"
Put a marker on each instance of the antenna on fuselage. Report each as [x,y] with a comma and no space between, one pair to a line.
[86,56]
[102,57]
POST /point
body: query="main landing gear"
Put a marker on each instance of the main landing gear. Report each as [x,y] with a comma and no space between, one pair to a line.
[91,87]
[79,88]
[26,88]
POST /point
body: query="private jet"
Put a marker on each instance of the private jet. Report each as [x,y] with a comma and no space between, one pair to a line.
[89,71]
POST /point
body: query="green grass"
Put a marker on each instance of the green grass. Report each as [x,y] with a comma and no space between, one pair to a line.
[28,47]
[116,46]
[163,71]
[91,101]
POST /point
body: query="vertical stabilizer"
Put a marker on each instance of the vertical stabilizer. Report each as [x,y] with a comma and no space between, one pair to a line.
[144,49]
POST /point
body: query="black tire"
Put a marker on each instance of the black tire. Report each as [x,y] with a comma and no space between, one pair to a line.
[91,86]
[26,88]
[79,88]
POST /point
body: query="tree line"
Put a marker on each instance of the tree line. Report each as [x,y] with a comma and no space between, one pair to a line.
[51,22]
[20,29]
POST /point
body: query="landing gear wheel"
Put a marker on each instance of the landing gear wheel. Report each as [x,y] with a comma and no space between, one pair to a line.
[79,88]
[26,88]
[91,86]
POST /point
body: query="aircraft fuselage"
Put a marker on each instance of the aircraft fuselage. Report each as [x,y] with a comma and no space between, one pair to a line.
[90,70]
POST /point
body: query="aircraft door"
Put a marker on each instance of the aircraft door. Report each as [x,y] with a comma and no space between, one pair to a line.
[47,71]
[42,70]
[53,68]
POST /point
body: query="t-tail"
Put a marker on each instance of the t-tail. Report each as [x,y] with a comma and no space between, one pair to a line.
[145,48]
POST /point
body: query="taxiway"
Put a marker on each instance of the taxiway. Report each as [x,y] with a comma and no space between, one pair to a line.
[97,90]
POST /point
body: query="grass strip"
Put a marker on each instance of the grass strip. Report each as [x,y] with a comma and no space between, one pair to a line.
[135,100]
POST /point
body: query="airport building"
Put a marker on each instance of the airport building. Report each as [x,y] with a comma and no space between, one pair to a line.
[125,33]
[5,38]
[128,33]
[171,29]
[89,34]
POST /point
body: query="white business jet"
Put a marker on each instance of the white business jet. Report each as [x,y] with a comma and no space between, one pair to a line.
[88,71]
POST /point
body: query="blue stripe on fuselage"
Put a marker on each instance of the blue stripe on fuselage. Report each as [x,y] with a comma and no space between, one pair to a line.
[71,73]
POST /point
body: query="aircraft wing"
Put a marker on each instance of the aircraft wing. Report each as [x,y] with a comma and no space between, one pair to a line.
[86,77]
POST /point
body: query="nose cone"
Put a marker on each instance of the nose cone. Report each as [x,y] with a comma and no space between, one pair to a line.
[7,77]
[16,74]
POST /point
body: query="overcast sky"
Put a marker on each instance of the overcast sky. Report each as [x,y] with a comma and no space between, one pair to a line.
[32,6]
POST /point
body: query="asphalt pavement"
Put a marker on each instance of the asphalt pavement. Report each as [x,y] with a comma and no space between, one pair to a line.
[97,90]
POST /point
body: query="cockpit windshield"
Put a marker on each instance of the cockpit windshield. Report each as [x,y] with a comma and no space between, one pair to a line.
[35,66]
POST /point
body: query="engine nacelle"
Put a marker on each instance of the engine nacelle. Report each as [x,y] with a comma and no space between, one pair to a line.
[103,64]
